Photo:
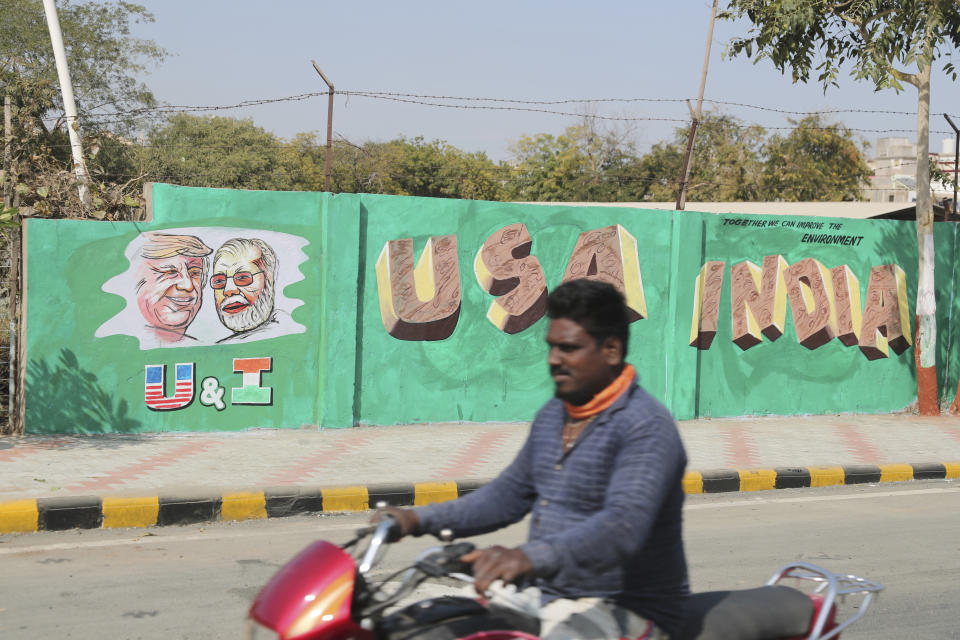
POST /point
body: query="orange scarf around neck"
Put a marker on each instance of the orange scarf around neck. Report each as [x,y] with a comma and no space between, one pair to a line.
[603,399]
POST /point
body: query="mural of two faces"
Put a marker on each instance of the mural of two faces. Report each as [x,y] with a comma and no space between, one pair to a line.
[170,272]
[164,288]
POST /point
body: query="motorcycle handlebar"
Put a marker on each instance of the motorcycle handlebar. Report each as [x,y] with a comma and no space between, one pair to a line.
[387,528]
[381,534]
[446,560]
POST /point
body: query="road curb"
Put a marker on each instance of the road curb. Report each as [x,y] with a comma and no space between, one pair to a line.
[108,512]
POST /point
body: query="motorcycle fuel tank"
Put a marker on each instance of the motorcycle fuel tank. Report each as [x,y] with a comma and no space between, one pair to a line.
[310,597]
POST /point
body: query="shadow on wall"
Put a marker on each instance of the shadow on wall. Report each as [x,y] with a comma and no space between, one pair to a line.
[68,399]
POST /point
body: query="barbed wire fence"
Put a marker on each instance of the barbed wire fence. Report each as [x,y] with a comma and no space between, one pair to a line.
[504,171]
[486,103]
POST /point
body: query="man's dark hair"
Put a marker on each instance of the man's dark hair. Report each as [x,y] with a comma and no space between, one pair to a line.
[596,306]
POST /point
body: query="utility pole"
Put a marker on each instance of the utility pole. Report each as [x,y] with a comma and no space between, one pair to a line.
[69,106]
[956,156]
[696,116]
[329,123]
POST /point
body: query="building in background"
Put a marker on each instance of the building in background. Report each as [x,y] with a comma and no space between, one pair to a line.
[894,167]
[943,191]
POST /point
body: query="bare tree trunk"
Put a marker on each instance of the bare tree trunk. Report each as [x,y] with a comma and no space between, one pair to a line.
[927,394]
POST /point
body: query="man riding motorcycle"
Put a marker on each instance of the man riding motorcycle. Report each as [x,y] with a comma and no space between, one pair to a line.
[600,473]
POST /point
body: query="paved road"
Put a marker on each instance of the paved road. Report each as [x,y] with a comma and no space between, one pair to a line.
[195,582]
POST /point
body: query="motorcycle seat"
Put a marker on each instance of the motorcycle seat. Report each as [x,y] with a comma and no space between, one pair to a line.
[763,613]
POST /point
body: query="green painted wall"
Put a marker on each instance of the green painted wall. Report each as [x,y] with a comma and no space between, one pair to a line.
[480,373]
[80,383]
[334,364]
[783,377]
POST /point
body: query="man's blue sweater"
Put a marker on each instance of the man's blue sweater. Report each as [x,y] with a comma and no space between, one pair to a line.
[606,516]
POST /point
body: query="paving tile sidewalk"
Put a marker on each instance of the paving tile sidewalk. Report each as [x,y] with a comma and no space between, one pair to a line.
[189,463]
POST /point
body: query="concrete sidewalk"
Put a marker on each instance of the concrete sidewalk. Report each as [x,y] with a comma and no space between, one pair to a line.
[724,454]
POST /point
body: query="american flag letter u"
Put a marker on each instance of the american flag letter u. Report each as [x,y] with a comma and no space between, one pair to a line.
[153,388]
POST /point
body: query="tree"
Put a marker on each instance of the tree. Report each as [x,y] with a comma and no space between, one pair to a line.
[582,164]
[879,38]
[726,163]
[103,57]
[104,60]
[815,161]
[412,167]
[546,168]
[732,160]
[439,170]
[216,151]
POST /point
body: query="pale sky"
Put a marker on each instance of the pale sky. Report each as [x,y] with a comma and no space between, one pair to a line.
[224,52]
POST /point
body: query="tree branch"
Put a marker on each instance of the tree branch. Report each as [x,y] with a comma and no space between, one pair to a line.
[143,174]
[903,76]
[861,26]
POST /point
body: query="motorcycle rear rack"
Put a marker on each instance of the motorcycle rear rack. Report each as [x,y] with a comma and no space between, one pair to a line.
[831,587]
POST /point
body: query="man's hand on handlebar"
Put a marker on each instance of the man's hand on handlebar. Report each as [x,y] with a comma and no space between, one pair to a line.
[497,563]
[408,524]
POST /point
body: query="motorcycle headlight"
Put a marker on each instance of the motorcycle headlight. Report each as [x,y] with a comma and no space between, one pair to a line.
[256,631]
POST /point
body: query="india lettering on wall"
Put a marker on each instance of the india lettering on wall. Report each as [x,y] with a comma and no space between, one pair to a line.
[207,286]
[824,304]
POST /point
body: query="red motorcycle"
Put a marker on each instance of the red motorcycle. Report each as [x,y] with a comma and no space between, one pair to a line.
[325,593]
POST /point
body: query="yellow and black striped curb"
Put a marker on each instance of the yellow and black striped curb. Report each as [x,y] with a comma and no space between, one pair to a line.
[94,512]
[802,477]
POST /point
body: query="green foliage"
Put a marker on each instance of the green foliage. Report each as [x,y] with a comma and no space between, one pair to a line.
[727,160]
[9,216]
[434,169]
[103,57]
[412,167]
[112,159]
[215,151]
[805,37]
[104,60]
[731,161]
[227,152]
[877,38]
[582,164]
[945,178]
[815,161]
